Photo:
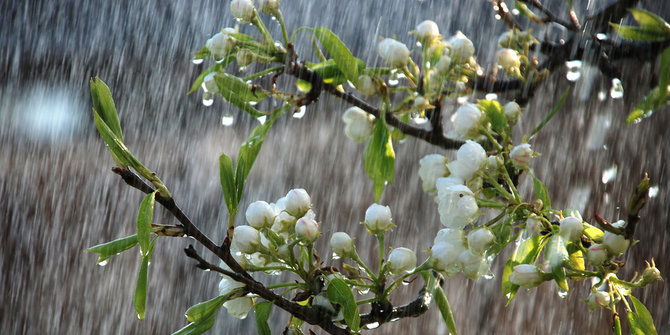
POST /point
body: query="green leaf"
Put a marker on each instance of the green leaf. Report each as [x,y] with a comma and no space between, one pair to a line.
[551,114]
[639,33]
[340,53]
[202,53]
[140,300]
[228,182]
[218,67]
[262,313]
[338,292]
[592,232]
[303,86]
[496,115]
[502,232]
[445,310]
[103,104]
[118,150]
[526,253]
[657,97]
[650,21]
[576,258]
[109,249]
[635,324]
[201,311]
[380,158]
[238,93]
[144,218]
[249,151]
[197,328]
[617,325]
[541,192]
[644,317]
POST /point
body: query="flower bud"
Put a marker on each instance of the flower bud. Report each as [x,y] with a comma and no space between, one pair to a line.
[227,284]
[298,202]
[307,230]
[359,124]
[366,86]
[479,240]
[221,44]
[431,168]
[401,260]
[615,244]
[246,239]
[571,228]
[533,225]
[461,48]
[393,52]
[427,31]
[598,299]
[650,275]
[474,266]
[442,64]
[597,254]
[270,7]
[512,112]
[342,244]
[378,218]
[556,252]
[521,155]
[444,182]
[260,214]
[508,59]
[452,236]
[282,223]
[457,206]
[242,10]
[472,154]
[467,120]
[444,257]
[525,275]
[239,307]
[209,83]
[244,57]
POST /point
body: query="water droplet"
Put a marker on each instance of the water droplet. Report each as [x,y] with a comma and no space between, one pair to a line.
[243,69]
[335,256]
[574,70]
[393,81]
[197,61]
[616,92]
[207,99]
[508,295]
[609,174]
[372,325]
[418,44]
[106,261]
[498,17]
[273,18]
[300,112]
[653,191]
[404,283]
[261,119]
[395,319]
[562,293]
[602,95]
[462,100]
[491,96]
[489,276]
[515,11]
[363,291]
[601,36]
[227,119]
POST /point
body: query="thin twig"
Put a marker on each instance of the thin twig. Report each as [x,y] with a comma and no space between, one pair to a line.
[501,8]
[550,17]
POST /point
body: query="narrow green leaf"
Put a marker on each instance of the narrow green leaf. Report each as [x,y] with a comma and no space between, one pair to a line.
[262,313]
[201,311]
[340,53]
[249,151]
[197,328]
[338,292]
[380,158]
[238,93]
[496,115]
[117,149]
[541,192]
[103,104]
[650,21]
[551,114]
[445,309]
[144,218]
[202,53]
[635,324]
[140,300]
[617,325]
[228,182]
[109,249]
[218,67]
[644,317]
[639,33]
[502,232]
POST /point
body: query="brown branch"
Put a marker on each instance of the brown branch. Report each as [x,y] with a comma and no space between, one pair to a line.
[385,314]
[501,8]
[310,315]
[550,17]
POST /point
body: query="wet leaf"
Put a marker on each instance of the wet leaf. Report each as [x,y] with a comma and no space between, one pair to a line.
[262,313]
[576,258]
[541,193]
[345,61]
[443,305]
[144,218]
[228,182]
[380,158]
[657,97]
[338,292]
[197,328]
[201,311]
[202,53]
[639,33]
[650,21]
[496,116]
[644,319]
[219,67]
[103,104]
[238,93]
[526,253]
[109,249]
[140,300]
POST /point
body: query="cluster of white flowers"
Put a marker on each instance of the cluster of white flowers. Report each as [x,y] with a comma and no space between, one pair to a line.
[393,52]
[467,121]
[358,124]
[452,252]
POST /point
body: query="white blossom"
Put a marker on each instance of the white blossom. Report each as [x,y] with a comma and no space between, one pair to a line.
[358,124]
[444,258]
[221,44]
[393,52]
[508,59]
[260,214]
[307,230]
[246,239]
[378,218]
[442,64]
[239,307]
[571,228]
[597,254]
[342,244]
[457,206]
[616,244]
[242,10]
[461,48]
[470,158]
[512,112]
[473,265]
[297,202]
[367,86]
[525,275]
[427,31]
[479,240]
[521,155]
[401,260]
[467,120]
[598,299]
[431,167]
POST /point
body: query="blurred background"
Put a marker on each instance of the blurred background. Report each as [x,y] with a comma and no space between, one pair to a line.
[58,195]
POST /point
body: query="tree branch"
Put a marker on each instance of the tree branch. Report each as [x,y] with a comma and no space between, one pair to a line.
[550,17]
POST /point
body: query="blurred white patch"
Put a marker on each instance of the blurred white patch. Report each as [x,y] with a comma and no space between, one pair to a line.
[609,174]
[598,131]
[579,197]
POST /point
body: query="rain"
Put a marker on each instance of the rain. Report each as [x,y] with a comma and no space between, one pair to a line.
[58,195]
